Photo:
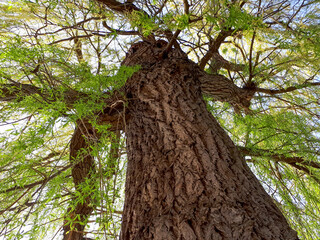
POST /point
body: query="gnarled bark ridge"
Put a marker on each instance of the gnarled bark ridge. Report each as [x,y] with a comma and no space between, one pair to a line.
[185,177]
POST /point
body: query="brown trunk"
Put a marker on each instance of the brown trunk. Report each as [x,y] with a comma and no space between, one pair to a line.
[82,170]
[185,177]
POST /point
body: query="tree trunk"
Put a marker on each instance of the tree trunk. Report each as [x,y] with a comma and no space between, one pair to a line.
[185,177]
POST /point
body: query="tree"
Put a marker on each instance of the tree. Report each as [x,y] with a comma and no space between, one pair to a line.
[183,96]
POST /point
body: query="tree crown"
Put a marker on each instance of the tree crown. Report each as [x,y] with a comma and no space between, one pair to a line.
[61,67]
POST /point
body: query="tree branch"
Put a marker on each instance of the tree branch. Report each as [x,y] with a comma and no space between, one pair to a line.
[83,170]
[124,8]
[173,40]
[10,92]
[113,114]
[214,47]
[186,6]
[289,89]
[117,31]
[31,185]
[15,91]
[72,38]
[222,89]
[296,162]
[219,62]
[30,204]
[278,157]
[120,7]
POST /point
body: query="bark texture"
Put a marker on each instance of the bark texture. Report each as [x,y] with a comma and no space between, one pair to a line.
[82,170]
[222,89]
[185,177]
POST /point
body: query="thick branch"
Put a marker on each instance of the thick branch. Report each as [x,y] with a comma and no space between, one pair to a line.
[10,92]
[78,49]
[83,171]
[217,62]
[222,89]
[120,7]
[173,41]
[14,91]
[214,47]
[114,154]
[186,6]
[113,114]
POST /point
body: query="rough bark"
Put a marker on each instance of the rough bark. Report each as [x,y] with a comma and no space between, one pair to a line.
[222,89]
[185,177]
[82,170]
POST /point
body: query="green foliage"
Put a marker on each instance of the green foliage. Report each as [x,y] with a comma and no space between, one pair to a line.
[142,21]
[239,19]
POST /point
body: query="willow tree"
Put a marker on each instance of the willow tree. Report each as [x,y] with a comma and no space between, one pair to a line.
[199,107]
